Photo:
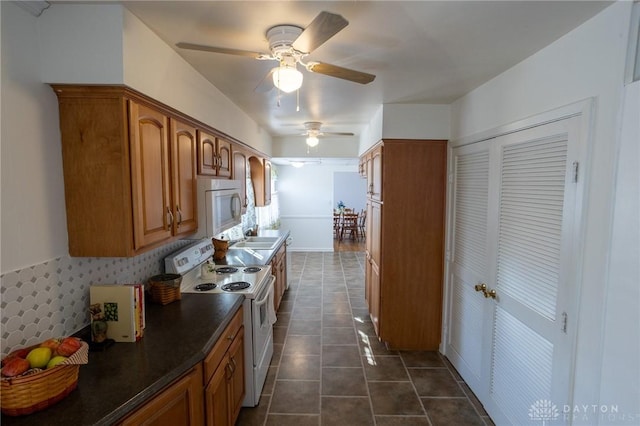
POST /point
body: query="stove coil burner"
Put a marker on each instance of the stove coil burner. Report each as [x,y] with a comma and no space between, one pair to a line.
[252,269]
[205,287]
[236,286]
[226,270]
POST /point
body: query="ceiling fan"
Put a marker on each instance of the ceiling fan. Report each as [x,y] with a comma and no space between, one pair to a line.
[312,132]
[289,45]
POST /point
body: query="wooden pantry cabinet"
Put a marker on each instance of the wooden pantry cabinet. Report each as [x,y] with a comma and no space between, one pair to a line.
[405,241]
[129,169]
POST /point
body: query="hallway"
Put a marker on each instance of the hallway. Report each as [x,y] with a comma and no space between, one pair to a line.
[328,367]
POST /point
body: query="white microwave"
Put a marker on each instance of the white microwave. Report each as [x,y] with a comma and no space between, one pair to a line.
[219,205]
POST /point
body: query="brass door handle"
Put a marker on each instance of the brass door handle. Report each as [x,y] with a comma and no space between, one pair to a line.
[487,293]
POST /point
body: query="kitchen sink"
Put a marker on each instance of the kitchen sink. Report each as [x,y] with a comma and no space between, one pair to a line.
[258,243]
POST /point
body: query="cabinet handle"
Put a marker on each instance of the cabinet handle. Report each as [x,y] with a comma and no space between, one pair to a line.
[234,365]
[228,371]
[169,216]
[179,215]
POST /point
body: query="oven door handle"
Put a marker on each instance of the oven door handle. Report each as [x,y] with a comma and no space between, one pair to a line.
[268,297]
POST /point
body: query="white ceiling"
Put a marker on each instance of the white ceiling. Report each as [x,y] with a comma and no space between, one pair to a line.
[420,51]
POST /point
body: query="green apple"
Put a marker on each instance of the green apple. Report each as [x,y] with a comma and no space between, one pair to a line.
[55,361]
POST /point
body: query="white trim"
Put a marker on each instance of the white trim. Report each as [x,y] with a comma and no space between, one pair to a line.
[306,216]
[574,109]
[633,50]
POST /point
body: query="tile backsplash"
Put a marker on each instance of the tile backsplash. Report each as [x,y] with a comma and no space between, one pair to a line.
[51,299]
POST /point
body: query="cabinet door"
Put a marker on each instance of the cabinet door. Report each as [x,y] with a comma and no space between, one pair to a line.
[151,180]
[183,161]
[207,155]
[240,173]
[223,151]
[373,237]
[267,182]
[216,396]
[179,404]
[375,178]
[237,389]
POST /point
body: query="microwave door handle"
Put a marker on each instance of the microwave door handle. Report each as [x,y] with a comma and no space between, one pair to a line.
[235,199]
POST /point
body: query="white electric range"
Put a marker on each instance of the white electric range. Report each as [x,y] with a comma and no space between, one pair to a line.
[255,283]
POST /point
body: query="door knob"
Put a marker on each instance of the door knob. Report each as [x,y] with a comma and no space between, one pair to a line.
[491,293]
[481,287]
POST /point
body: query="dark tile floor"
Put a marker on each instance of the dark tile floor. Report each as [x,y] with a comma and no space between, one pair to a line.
[329,368]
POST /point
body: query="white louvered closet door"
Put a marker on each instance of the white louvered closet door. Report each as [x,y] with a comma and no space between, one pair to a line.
[534,228]
[468,261]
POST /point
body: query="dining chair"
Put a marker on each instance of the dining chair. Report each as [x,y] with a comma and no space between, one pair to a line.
[362,224]
[337,222]
[349,226]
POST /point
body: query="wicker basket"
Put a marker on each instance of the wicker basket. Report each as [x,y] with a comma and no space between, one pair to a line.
[220,248]
[38,390]
[165,288]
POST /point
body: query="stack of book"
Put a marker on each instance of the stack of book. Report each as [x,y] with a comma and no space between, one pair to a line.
[121,306]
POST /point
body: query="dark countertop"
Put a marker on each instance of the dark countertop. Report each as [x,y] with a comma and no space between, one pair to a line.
[241,257]
[115,382]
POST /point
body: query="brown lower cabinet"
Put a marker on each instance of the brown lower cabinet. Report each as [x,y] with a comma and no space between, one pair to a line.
[180,403]
[279,270]
[210,394]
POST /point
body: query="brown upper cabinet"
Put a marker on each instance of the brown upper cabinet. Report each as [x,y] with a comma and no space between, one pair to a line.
[129,171]
[260,169]
[239,172]
[214,155]
[130,167]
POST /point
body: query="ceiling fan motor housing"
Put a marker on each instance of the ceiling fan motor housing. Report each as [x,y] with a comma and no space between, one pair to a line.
[281,37]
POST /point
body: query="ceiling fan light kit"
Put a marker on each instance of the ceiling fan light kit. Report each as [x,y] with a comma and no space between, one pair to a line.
[286,77]
[312,141]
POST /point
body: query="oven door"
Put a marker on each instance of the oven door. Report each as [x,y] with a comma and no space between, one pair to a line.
[263,318]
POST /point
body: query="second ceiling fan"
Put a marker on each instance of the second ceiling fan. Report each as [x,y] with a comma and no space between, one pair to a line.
[312,132]
[289,45]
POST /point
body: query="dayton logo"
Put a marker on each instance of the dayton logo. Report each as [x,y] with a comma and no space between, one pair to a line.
[543,410]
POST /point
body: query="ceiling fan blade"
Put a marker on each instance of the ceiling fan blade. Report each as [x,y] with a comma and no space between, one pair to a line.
[339,72]
[338,134]
[255,55]
[322,28]
[267,83]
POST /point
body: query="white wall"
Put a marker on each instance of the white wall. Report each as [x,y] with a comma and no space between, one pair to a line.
[81,44]
[410,121]
[154,68]
[621,357]
[350,188]
[407,121]
[587,62]
[329,147]
[34,227]
[306,204]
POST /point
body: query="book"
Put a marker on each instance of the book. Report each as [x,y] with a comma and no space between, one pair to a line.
[118,304]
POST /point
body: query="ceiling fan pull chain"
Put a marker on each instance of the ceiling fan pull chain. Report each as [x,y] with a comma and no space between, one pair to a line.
[298,100]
